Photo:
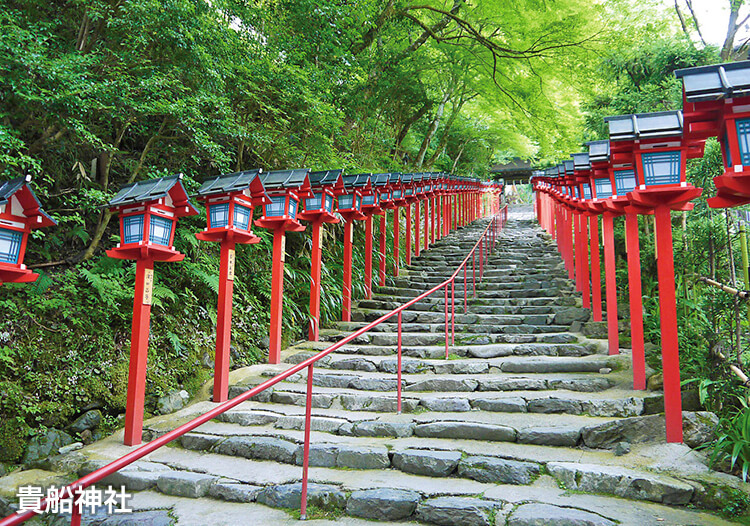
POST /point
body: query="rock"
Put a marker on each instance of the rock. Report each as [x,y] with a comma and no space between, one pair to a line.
[622,448]
[550,436]
[621,482]
[45,445]
[75,446]
[513,384]
[548,515]
[448,405]
[443,384]
[323,496]
[427,462]
[185,484]
[354,364]
[596,330]
[699,428]
[321,455]
[234,492]
[199,442]
[502,405]
[605,370]
[374,384]
[475,431]
[567,315]
[262,448]
[171,402]
[635,430]
[383,504]
[87,436]
[363,457]
[655,382]
[139,518]
[554,405]
[585,385]
[623,407]
[384,429]
[88,420]
[498,470]
[450,511]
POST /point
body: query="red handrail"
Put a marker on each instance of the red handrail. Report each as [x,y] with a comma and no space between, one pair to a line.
[496,224]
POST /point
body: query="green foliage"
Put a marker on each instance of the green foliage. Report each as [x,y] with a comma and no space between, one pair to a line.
[733,443]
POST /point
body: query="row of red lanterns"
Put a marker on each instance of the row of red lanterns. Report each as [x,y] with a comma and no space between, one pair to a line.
[149,211]
[640,170]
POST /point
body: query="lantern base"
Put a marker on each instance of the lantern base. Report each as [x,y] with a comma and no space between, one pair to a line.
[287,225]
[673,196]
[149,251]
[733,189]
[235,235]
[16,274]
[615,206]
[355,216]
[318,217]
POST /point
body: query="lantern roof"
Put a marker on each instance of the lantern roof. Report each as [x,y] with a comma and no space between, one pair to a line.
[569,166]
[645,125]
[395,178]
[287,179]
[235,182]
[357,180]
[581,161]
[322,178]
[598,151]
[380,179]
[406,178]
[155,189]
[20,188]
[718,81]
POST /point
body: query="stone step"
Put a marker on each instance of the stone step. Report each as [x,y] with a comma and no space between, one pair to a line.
[520,334]
[531,324]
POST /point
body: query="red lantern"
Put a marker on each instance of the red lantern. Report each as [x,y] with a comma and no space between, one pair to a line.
[20,213]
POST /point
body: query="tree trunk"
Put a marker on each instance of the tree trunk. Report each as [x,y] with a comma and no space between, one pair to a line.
[407,126]
[732,27]
[432,129]
[460,152]
[444,137]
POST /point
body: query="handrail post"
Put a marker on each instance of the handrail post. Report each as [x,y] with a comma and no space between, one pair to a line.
[446,321]
[306,445]
[474,273]
[453,311]
[481,258]
[398,367]
[465,291]
[75,515]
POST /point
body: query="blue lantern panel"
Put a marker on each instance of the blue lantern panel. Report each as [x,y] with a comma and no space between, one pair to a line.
[397,194]
[359,202]
[219,215]
[346,202]
[743,137]
[132,227]
[329,203]
[315,202]
[603,188]
[661,168]
[384,196]
[10,245]
[586,191]
[368,200]
[293,208]
[577,192]
[624,181]
[242,215]
[160,230]
[276,208]
[409,192]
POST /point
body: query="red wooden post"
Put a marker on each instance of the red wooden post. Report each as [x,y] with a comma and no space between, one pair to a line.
[585,261]
[416,228]
[368,256]
[306,443]
[277,293]
[381,268]
[636,301]
[346,300]
[408,234]
[609,270]
[396,240]
[668,310]
[596,278]
[144,286]
[434,202]
[426,224]
[315,268]
[224,322]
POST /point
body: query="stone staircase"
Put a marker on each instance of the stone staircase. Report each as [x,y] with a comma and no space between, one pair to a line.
[526,422]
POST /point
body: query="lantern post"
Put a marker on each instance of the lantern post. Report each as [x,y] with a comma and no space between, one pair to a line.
[603,187]
[655,144]
[286,188]
[399,201]
[20,213]
[149,211]
[407,189]
[229,201]
[382,188]
[417,196]
[581,173]
[349,206]
[325,185]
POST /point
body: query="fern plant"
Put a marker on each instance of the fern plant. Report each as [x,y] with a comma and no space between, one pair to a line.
[733,443]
